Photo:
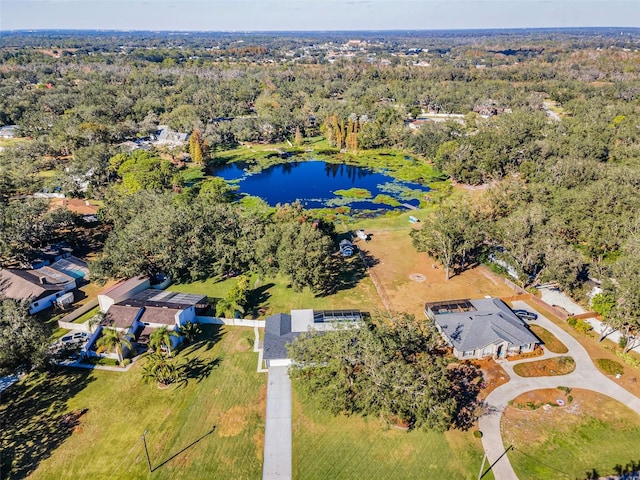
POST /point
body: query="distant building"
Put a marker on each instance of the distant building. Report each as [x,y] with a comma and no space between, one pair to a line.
[166,136]
[9,131]
[481,328]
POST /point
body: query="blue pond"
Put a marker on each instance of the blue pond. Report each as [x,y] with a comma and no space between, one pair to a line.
[314,182]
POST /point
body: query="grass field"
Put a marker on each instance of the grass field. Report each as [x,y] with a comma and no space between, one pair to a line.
[328,447]
[272,295]
[550,342]
[594,432]
[88,424]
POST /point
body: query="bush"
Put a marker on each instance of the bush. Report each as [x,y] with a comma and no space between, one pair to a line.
[580,325]
[623,341]
[569,399]
[126,361]
[610,367]
[566,390]
[477,434]
[583,326]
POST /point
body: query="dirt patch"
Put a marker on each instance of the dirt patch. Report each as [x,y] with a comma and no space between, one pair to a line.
[258,439]
[395,261]
[493,375]
[546,368]
[417,277]
[233,421]
[543,396]
[244,345]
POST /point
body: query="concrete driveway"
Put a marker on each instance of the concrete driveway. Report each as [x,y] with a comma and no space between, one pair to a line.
[585,376]
[277,438]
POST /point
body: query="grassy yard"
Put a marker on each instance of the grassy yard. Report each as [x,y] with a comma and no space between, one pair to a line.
[88,424]
[549,340]
[546,368]
[594,432]
[273,295]
[328,447]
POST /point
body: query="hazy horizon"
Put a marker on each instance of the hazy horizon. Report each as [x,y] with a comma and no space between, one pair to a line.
[314,15]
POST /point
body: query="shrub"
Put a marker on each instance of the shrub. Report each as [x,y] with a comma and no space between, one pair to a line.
[477,434]
[566,390]
[572,321]
[569,399]
[583,326]
[623,341]
[126,361]
[610,367]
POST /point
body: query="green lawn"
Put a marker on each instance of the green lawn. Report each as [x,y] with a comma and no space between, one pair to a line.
[273,295]
[88,424]
[560,444]
[328,447]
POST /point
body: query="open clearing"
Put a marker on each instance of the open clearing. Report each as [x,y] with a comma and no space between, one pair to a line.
[592,432]
[328,447]
[395,261]
[88,424]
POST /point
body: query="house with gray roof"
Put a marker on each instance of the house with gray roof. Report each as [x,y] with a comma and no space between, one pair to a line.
[282,328]
[39,287]
[481,328]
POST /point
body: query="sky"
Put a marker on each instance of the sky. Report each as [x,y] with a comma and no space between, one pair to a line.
[269,15]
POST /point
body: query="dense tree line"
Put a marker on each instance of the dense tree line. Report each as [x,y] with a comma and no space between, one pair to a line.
[390,368]
[157,233]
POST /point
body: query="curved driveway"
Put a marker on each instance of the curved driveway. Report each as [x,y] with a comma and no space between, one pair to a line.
[586,376]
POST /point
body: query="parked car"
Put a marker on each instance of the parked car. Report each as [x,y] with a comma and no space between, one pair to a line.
[526,315]
[77,337]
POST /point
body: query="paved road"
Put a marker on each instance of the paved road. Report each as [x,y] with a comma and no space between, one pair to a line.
[277,438]
[586,376]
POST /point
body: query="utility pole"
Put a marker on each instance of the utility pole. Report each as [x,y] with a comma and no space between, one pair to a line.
[481,473]
[146,450]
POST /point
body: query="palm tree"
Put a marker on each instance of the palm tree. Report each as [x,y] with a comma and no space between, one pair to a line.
[190,330]
[162,336]
[111,339]
[162,370]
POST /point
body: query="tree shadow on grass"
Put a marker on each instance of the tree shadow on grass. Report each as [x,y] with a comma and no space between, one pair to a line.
[211,334]
[197,369]
[257,297]
[35,421]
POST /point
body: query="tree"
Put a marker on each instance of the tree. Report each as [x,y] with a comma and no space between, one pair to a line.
[162,337]
[190,330]
[110,340]
[161,369]
[450,235]
[197,147]
[236,299]
[23,339]
[384,366]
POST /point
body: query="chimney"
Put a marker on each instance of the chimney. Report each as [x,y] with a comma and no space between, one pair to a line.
[43,280]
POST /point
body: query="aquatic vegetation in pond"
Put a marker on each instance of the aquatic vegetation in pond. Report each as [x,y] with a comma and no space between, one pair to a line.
[386,200]
[361,193]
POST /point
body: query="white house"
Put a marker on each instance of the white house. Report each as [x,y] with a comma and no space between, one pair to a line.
[40,287]
[121,291]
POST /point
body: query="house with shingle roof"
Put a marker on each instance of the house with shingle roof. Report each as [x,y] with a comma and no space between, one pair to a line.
[40,287]
[282,328]
[481,328]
